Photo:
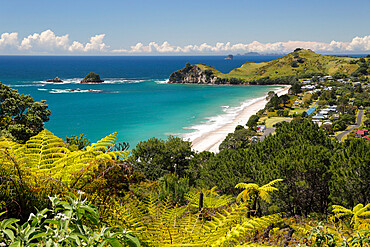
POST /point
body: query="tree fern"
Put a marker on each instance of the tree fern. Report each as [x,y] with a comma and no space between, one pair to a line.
[47,155]
[359,214]
[160,223]
[211,198]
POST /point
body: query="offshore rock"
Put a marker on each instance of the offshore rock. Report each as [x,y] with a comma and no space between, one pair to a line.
[56,80]
[92,78]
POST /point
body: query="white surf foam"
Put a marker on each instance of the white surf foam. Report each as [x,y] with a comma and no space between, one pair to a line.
[161,81]
[106,81]
[213,123]
[74,91]
[27,85]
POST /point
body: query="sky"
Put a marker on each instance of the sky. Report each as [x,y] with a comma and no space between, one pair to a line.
[190,27]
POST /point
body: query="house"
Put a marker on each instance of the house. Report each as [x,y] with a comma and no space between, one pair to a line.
[356,84]
[261,128]
[309,87]
[307,81]
[318,117]
[332,108]
[328,88]
[254,139]
[310,111]
[366,137]
[324,112]
[335,116]
[361,132]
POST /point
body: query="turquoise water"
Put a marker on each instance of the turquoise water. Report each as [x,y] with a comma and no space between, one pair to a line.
[134,101]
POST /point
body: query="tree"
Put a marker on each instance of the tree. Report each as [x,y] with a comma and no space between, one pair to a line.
[252,121]
[20,116]
[156,157]
[284,99]
[251,192]
[295,89]
[270,94]
[240,138]
[77,142]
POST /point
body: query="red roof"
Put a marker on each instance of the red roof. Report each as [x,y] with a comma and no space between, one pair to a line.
[366,137]
[361,132]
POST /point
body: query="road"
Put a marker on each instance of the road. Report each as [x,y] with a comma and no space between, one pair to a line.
[267,132]
[357,125]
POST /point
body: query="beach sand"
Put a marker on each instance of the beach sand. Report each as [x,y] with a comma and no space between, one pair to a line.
[210,141]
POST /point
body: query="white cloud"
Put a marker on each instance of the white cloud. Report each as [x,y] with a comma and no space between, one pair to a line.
[8,40]
[96,44]
[358,44]
[50,43]
[46,41]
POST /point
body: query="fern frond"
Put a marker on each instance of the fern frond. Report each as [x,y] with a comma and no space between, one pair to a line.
[104,143]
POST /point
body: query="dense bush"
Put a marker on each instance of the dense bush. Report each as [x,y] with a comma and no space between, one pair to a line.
[20,116]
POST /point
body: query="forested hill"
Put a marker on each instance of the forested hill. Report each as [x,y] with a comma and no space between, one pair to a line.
[300,63]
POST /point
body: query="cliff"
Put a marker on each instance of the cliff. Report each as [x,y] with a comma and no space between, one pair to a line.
[283,70]
[193,74]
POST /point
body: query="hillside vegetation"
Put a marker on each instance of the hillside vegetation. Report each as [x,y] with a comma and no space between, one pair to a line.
[296,64]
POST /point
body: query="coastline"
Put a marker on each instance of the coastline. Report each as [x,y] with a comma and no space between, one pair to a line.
[210,141]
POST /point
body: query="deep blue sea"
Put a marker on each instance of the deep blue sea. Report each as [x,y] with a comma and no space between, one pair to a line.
[135,101]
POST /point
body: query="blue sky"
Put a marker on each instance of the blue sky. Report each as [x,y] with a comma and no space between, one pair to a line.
[181,24]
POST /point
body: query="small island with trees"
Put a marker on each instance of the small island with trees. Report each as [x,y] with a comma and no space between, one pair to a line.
[92,78]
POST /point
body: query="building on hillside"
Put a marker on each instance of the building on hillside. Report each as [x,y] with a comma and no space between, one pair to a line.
[366,137]
[254,139]
[318,117]
[361,132]
[310,87]
[310,111]
[356,84]
[261,128]
[332,108]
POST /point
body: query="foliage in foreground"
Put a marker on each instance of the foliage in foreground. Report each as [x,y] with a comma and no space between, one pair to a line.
[20,116]
[69,223]
[44,166]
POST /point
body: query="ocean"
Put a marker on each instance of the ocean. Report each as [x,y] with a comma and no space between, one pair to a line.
[135,101]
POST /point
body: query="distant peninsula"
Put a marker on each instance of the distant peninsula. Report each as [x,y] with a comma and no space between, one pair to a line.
[284,70]
[92,78]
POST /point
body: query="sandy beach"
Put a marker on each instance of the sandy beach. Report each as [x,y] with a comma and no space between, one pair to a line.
[210,141]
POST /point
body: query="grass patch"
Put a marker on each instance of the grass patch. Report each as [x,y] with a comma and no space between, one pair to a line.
[271,121]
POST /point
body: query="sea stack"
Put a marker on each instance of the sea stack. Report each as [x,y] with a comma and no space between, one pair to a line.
[229,57]
[56,80]
[92,78]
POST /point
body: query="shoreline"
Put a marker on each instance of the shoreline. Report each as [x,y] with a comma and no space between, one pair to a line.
[210,141]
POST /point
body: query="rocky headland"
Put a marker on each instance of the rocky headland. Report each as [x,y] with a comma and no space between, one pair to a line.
[193,74]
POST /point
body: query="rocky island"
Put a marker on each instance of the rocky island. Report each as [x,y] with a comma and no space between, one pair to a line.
[56,80]
[92,78]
